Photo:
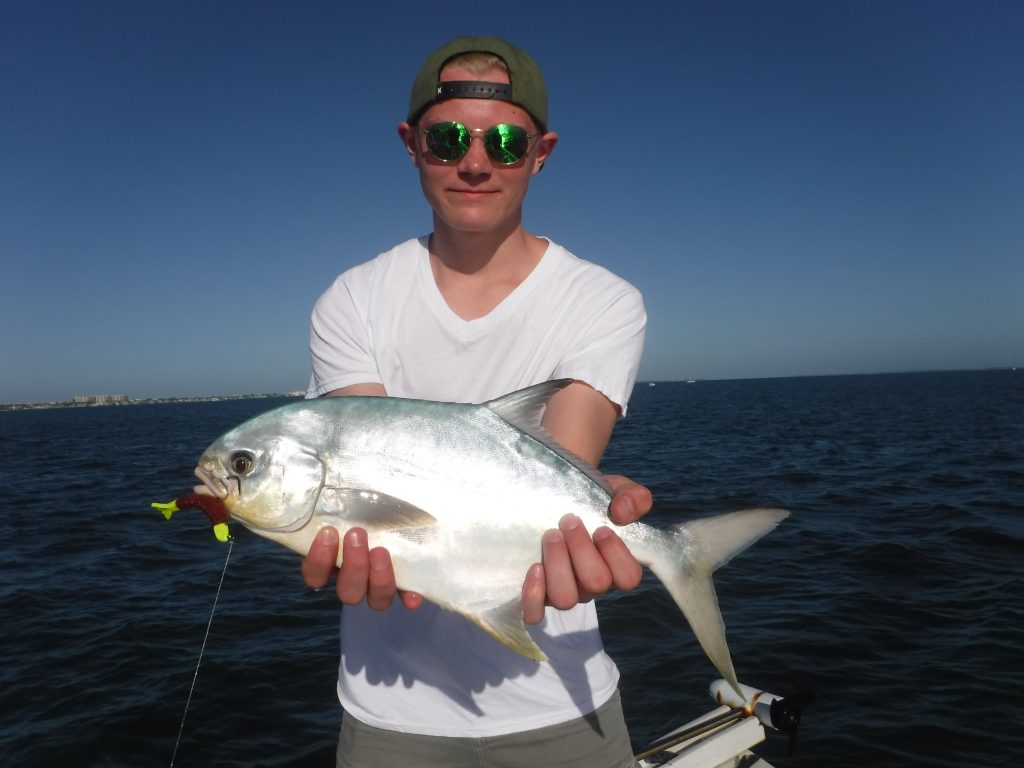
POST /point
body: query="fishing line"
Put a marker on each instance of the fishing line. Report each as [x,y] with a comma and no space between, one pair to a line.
[181,729]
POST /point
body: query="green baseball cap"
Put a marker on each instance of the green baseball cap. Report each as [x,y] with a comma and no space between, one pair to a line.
[526,90]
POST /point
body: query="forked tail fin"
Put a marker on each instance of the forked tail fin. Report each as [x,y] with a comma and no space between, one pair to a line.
[686,555]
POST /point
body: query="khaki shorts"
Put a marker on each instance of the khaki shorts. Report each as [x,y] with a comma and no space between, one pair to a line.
[599,740]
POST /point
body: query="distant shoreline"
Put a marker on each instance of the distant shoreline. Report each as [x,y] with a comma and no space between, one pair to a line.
[640,382]
[141,401]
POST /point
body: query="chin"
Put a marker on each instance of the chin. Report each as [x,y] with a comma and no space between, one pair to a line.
[473,223]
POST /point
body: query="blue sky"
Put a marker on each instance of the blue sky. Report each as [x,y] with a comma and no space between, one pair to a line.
[797,188]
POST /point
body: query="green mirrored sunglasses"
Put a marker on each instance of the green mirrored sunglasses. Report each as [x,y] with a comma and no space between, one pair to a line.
[505,144]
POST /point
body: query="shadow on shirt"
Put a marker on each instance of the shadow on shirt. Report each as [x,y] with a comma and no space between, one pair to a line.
[444,651]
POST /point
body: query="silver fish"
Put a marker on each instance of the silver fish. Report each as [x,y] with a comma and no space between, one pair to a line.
[460,495]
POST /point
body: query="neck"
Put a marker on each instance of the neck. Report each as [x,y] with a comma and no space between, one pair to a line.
[504,249]
[475,271]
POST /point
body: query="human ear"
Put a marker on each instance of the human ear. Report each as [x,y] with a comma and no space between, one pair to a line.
[545,147]
[407,133]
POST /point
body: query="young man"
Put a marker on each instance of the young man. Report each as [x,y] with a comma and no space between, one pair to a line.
[480,308]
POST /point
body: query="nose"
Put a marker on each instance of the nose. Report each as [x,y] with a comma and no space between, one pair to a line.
[475,162]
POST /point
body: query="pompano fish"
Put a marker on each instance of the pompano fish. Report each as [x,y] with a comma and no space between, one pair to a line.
[460,495]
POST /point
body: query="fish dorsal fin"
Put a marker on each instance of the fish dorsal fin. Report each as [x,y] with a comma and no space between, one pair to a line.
[524,410]
[372,510]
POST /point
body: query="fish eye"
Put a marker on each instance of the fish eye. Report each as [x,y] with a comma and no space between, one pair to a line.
[241,462]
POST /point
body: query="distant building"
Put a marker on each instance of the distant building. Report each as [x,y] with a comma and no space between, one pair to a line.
[99,399]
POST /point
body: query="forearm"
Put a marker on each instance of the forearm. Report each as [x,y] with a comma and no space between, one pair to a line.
[581,419]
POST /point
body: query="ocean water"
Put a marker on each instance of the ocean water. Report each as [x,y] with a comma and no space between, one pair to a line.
[893,592]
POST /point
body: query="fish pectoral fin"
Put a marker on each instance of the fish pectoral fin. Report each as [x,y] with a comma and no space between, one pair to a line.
[372,510]
[505,624]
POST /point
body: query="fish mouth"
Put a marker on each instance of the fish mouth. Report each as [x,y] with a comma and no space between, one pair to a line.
[212,485]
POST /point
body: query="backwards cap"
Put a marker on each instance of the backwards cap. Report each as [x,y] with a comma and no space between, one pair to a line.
[526,88]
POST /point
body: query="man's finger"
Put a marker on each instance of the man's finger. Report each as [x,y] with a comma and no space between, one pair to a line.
[355,568]
[562,590]
[630,501]
[535,592]
[380,590]
[626,572]
[592,574]
[320,564]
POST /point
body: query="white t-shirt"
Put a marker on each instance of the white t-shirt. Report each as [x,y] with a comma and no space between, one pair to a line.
[430,671]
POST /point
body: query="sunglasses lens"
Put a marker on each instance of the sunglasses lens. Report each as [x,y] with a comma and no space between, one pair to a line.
[506,144]
[448,141]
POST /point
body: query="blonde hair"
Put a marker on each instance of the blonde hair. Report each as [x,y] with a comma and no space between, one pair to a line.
[477,62]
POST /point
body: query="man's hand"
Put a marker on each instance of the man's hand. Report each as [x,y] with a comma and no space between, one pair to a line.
[577,568]
[365,574]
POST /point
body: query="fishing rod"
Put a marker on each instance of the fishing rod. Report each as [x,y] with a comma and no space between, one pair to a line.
[699,729]
[776,712]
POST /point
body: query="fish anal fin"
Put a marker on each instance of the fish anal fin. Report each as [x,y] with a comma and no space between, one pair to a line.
[505,624]
[372,510]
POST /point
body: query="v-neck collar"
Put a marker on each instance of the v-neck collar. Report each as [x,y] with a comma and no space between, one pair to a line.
[466,330]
